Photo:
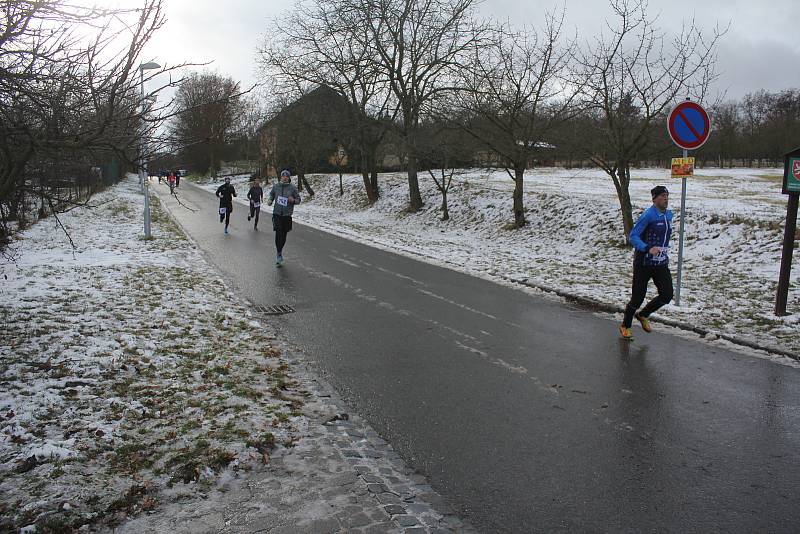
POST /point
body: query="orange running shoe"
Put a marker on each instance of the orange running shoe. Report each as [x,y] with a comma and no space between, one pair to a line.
[645,323]
[625,332]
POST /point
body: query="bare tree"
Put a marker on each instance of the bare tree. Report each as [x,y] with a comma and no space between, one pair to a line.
[68,102]
[725,122]
[245,131]
[419,45]
[210,109]
[444,152]
[325,43]
[634,74]
[515,94]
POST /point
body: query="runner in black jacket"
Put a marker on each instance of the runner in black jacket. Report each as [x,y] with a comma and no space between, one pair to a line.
[256,194]
[226,192]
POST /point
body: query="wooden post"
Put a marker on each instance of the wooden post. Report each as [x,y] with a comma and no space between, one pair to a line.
[786,255]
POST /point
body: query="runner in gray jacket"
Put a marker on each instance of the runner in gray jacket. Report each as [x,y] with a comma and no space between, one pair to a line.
[285,195]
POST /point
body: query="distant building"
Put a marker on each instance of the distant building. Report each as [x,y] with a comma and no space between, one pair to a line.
[304,136]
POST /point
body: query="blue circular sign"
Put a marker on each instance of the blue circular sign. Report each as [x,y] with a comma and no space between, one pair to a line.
[689,125]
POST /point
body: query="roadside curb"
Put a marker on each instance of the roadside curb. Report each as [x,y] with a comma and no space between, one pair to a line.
[597,305]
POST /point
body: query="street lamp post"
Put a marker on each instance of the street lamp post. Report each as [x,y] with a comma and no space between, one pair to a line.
[143,178]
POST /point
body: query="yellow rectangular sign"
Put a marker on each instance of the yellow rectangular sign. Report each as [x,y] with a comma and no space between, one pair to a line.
[682,167]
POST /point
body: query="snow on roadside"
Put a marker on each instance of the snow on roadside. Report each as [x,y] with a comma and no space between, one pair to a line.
[128,376]
[573,242]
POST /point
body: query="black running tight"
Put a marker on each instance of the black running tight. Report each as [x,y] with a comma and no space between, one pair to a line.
[226,217]
[280,240]
[254,212]
[641,276]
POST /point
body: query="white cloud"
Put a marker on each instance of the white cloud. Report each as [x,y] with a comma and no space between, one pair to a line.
[758,52]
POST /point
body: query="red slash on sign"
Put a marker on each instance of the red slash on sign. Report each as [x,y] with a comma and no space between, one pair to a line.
[688,125]
[796,169]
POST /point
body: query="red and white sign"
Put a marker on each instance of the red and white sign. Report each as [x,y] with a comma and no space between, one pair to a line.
[796,169]
[689,125]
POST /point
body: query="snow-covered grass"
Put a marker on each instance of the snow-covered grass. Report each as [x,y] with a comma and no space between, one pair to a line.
[574,242]
[129,375]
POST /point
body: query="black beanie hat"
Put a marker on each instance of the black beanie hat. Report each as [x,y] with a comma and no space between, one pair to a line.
[657,190]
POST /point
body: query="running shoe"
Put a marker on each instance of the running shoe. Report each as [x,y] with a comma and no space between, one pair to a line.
[279,260]
[625,332]
[226,229]
[645,323]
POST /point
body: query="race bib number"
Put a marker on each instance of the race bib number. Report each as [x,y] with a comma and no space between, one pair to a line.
[661,257]
[256,205]
[222,211]
[283,201]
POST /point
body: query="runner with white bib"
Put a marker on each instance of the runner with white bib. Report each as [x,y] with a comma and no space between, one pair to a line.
[255,195]
[285,195]
[650,240]
[226,192]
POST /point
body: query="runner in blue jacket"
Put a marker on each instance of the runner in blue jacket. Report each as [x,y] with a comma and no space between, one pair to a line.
[650,239]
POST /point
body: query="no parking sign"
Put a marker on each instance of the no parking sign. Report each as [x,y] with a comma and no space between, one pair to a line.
[689,125]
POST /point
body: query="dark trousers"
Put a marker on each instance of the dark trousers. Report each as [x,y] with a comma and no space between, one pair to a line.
[226,217]
[641,276]
[280,241]
[177,180]
[282,225]
[254,212]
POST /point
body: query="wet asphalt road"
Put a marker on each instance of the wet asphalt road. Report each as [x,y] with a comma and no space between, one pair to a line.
[527,415]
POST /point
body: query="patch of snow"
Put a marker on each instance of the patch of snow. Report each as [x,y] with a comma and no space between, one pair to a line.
[51,451]
[105,367]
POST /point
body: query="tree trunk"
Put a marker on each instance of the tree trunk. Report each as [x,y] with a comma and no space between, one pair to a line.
[372,192]
[621,182]
[212,163]
[341,187]
[519,209]
[368,187]
[445,211]
[373,172]
[414,196]
[373,180]
[301,177]
[42,209]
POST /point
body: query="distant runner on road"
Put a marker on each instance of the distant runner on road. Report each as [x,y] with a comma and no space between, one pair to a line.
[285,195]
[226,192]
[255,195]
[650,237]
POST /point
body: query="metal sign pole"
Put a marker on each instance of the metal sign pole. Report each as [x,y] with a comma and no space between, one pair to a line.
[688,125]
[680,242]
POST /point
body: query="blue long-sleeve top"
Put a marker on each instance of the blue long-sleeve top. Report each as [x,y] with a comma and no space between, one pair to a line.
[652,229]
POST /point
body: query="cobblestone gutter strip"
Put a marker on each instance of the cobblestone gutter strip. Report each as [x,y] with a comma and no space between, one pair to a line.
[594,304]
[339,476]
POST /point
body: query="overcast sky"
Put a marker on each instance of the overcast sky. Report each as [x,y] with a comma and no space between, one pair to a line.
[761,49]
